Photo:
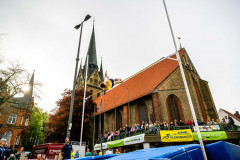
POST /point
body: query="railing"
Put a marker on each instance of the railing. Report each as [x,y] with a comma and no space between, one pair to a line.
[156,130]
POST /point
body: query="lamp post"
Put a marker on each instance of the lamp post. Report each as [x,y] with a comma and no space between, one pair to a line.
[75,77]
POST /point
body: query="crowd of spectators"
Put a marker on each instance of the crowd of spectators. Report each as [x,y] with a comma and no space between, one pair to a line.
[153,128]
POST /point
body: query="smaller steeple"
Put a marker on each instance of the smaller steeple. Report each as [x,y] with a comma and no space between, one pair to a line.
[28,94]
[180,42]
[101,71]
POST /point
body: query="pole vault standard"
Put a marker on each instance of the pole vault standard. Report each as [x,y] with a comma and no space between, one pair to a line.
[100,117]
[84,100]
[185,84]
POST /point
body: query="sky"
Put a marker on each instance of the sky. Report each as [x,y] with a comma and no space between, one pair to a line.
[130,35]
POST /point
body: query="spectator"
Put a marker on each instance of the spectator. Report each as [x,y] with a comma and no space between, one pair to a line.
[66,150]
[189,122]
[213,122]
[165,124]
[218,122]
[132,128]
[143,125]
[109,151]
[175,123]
[151,127]
[223,121]
[226,119]
[88,153]
[11,157]
[39,157]
[2,149]
[76,154]
[208,121]
[117,152]
[138,126]
[181,123]
[72,154]
[127,129]
[146,126]
[8,151]
[161,125]
[100,153]
[230,120]
[202,122]
[19,153]
[95,153]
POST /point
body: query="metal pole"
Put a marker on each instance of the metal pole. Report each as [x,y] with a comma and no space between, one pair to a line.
[74,83]
[94,127]
[101,126]
[115,114]
[104,118]
[84,100]
[186,86]
[128,107]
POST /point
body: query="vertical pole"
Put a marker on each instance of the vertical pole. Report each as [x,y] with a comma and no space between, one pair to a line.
[101,125]
[128,108]
[104,118]
[74,83]
[94,127]
[186,86]
[115,114]
[84,100]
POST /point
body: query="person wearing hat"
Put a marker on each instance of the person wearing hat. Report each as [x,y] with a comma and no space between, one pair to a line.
[2,149]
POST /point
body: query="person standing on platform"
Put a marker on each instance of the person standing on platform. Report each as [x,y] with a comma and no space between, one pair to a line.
[2,149]
[66,150]
[76,154]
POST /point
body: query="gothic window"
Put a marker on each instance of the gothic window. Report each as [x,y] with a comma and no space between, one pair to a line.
[12,118]
[26,121]
[143,113]
[7,135]
[174,108]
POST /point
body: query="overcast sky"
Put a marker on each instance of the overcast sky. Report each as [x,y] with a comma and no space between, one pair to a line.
[130,35]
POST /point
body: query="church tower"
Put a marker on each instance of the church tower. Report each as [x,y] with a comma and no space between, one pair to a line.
[94,76]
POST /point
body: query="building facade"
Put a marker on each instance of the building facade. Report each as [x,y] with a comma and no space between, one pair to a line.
[15,118]
[157,94]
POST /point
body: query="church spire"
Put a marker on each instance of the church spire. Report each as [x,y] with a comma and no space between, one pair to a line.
[92,61]
[28,94]
[101,71]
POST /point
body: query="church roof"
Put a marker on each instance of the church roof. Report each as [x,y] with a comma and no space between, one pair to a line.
[139,85]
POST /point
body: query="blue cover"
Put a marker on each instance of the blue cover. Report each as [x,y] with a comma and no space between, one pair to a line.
[222,150]
[163,153]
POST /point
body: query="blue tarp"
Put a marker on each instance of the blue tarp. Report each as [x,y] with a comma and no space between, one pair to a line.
[181,152]
[222,150]
[215,151]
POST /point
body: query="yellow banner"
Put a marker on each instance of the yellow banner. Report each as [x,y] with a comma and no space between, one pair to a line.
[183,135]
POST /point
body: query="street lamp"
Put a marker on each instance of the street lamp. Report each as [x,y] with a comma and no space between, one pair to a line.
[75,78]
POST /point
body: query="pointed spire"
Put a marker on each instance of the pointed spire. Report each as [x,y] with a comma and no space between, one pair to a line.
[28,94]
[80,65]
[180,42]
[101,71]
[92,61]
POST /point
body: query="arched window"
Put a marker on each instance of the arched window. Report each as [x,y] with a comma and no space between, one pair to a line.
[174,108]
[12,118]
[141,113]
[17,140]
[7,135]
[26,121]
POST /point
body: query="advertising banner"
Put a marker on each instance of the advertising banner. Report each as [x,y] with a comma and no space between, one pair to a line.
[183,135]
[134,139]
[116,143]
[208,136]
[208,128]
[98,146]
